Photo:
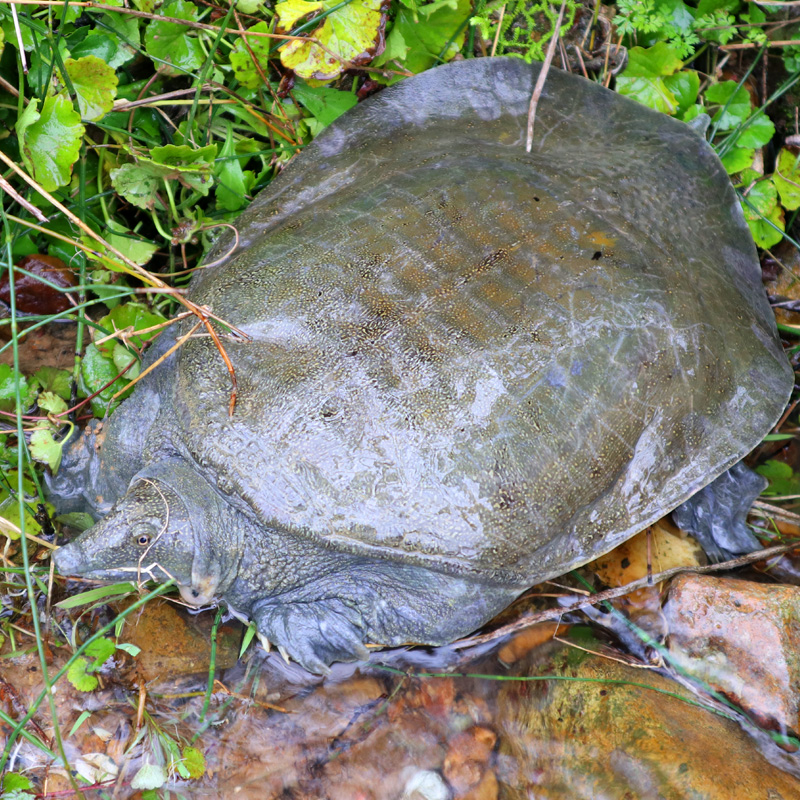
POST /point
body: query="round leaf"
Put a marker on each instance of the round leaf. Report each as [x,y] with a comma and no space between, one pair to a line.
[787,178]
[51,140]
[351,32]
[173,50]
[95,83]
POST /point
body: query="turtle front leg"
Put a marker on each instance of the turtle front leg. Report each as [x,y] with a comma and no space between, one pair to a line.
[335,613]
[314,633]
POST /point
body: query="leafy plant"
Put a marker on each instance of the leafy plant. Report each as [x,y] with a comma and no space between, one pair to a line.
[525,28]
[82,673]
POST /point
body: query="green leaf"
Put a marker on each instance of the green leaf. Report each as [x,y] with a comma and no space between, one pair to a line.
[51,402]
[242,62]
[734,104]
[51,379]
[190,166]
[99,44]
[78,722]
[248,637]
[782,479]
[684,86]
[759,132]
[787,178]
[230,178]
[249,6]
[95,83]
[650,92]
[9,508]
[131,649]
[645,79]
[93,595]
[136,184]
[41,66]
[184,156]
[173,48]
[396,47]
[10,34]
[138,250]
[80,678]
[96,372]
[130,315]
[760,206]
[100,650]
[737,159]
[325,104]
[444,29]
[8,383]
[351,32]
[124,28]
[44,449]
[50,142]
[79,520]
[652,62]
[149,776]
[194,761]
[122,356]
[12,781]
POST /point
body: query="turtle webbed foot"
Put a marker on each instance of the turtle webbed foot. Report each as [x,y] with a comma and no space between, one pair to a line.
[314,633]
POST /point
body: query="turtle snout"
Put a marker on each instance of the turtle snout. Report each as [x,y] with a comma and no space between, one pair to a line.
[70,559]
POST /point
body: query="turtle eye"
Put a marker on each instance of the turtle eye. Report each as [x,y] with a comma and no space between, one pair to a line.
[142,540]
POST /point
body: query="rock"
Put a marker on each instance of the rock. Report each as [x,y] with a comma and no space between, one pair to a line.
[174,643]
[743,640]
[607,730]
[467,758]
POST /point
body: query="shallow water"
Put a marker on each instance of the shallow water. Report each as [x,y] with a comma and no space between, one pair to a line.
[528,718]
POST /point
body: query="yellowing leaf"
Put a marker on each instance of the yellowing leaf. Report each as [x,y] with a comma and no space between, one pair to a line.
[787,178]
[195,762]
[292,10]
[347,36]
[761,210]
[51,140]
[95,83]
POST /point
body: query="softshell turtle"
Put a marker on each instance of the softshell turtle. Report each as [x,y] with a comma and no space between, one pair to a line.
[471,368]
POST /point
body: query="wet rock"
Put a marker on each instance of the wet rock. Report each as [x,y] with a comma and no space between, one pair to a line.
[467,759]
[426,785]
[529,639]
[607,730]
[743,640]
[174,643]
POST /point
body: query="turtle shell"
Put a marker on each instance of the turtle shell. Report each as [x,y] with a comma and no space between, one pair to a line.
[476,358]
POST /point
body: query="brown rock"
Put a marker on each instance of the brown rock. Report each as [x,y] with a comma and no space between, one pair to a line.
[743,640]
[467,757]
[528,639]
[607,730]
[174,643]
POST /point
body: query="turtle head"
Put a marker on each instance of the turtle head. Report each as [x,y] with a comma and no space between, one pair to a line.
[160,529]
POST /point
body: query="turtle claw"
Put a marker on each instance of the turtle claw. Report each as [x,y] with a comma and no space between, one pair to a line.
[314,634]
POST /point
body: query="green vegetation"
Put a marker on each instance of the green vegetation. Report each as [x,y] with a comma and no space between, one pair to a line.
[132,136]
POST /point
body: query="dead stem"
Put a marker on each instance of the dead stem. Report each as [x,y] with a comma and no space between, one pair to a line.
[537,90]
[619,591]
[15,195]
[158,361]
[131,267]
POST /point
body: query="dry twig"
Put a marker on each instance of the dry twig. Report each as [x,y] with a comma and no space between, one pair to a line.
[619,591]
[537,90]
